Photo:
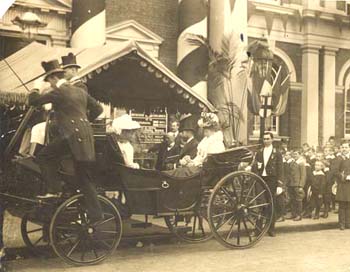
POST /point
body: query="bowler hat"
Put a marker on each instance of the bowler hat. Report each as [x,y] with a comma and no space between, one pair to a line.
[188,122]
[51,67]
[69,61]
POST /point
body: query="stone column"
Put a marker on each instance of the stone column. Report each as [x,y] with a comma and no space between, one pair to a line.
[310,101]
[328,92]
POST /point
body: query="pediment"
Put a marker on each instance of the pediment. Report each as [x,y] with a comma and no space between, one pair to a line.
[132,30]
[58,5]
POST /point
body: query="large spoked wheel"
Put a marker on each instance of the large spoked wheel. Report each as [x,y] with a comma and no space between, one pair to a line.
[240,210]
[35,236]
[79,242]
[191,228]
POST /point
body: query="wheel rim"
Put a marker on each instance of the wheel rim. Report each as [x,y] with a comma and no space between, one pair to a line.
[77,241]
[35,236]
[191,227]
[240,210]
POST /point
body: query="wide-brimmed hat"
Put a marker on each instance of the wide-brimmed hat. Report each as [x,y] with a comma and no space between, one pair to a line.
[51,67]
[124,122]
[188,122]
[208,120]
[69,61]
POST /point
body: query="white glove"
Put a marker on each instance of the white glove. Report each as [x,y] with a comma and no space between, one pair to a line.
[279,190]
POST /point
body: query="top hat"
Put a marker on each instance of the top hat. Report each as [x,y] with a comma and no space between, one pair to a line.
[51,67]
[69,61]
[188,122]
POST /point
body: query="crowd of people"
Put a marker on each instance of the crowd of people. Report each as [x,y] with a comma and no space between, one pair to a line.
[315,180]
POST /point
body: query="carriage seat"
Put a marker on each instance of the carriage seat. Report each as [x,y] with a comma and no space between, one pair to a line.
[229,158]
[189,176]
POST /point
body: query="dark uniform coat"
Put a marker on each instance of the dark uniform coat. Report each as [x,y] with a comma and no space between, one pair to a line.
[274,166]
[189,149]
[343,188]
[70,104]
[318,183]
[292,174]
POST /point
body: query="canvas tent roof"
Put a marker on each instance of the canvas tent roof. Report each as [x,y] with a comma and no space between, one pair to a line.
[122,75]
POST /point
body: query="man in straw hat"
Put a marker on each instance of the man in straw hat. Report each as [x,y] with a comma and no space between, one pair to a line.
[71,104]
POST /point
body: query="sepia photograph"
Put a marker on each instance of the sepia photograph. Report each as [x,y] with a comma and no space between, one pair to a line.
[174,135]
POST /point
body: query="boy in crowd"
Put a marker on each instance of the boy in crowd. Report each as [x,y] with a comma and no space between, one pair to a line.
[296,177]
[331,166]
[318,188]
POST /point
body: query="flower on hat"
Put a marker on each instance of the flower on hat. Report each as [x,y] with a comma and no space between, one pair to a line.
[208,119]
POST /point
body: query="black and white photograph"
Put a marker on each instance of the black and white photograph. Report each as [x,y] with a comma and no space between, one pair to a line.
[174,135]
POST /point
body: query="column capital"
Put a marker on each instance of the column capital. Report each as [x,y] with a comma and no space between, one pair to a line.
[310,48]
[331,51]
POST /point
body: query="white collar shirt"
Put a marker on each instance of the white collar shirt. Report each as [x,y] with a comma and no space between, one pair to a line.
[189,140]
[60,82]
[266,154]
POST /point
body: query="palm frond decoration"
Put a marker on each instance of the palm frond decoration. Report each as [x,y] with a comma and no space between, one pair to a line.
[222,63]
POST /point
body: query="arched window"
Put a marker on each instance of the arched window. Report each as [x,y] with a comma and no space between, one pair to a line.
[347,113]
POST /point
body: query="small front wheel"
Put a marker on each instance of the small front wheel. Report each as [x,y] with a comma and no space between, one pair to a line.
[79,242]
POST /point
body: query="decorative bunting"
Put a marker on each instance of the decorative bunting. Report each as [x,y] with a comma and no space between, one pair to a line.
[269,16]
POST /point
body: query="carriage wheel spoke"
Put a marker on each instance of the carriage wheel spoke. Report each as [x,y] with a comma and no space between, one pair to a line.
[73,248]
[257,196]
[194,226]
[105,221]
[95,253]
[34,230]
[239,231]
[257,215]
[218,227]
[108,231]
[108,246]
[38,241]
[228,195]
[250,190]
[246,228]
[221,214]
[259,205]
[231,230]
[254,225]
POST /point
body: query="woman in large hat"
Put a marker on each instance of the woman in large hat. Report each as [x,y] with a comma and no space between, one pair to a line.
[213,142]
[124,129]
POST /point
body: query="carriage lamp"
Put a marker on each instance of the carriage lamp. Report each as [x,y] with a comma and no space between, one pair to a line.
[262,57]
[28,22]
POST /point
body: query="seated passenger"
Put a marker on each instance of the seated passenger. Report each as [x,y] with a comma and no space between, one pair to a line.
[212,143]
[124,128]
[187,130]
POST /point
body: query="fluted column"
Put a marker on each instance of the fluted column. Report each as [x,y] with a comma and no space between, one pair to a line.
[310,100]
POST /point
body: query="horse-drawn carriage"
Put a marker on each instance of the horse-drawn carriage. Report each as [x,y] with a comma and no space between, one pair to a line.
[233,206]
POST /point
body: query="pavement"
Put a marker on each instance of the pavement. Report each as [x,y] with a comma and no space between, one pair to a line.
[308,245]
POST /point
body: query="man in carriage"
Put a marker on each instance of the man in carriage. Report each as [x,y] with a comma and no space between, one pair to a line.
[71,104]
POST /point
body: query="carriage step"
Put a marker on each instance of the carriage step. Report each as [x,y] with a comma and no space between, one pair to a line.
[182,229]
[141,225]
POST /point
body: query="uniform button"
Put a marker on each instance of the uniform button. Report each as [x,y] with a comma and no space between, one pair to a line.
[81,119]
[86,120]
[79,140]
[72,121]
[76,129]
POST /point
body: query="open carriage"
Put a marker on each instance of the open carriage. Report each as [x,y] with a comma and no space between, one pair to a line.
[233,206]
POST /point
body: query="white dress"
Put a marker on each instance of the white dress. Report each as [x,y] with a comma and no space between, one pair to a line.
[128,154]
[209,145]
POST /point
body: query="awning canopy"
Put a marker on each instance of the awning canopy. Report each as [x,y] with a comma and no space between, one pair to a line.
[123,75]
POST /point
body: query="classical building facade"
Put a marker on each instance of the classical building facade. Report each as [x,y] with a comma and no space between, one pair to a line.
[309,38]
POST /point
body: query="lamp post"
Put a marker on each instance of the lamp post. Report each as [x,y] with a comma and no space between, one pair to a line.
[262,58]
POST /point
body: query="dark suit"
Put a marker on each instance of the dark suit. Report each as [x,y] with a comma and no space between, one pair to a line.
[165,156]
[343,192]
[70,104]
[274,171]
[189,149]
